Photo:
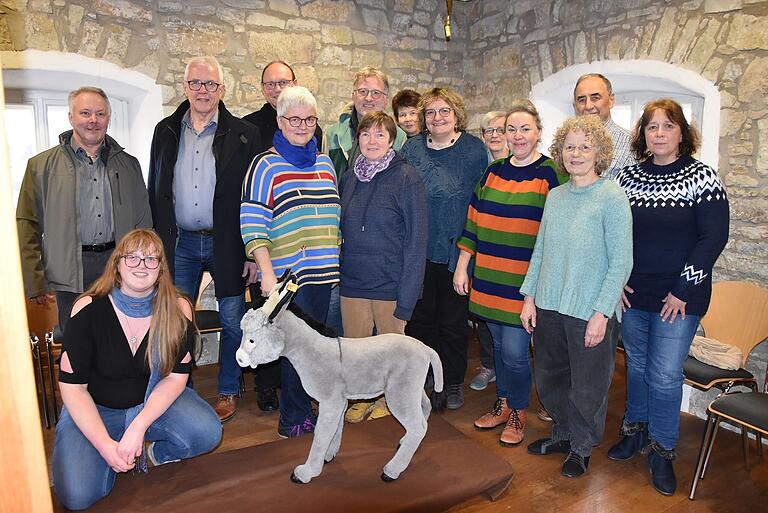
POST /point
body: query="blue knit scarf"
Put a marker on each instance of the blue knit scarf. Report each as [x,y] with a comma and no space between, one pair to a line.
[134,307]
[300,156]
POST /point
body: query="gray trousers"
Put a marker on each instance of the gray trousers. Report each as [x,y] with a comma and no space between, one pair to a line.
[572,380]
[93,265]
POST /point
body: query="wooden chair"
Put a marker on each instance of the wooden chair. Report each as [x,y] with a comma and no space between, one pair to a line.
[748,410]
[738,315]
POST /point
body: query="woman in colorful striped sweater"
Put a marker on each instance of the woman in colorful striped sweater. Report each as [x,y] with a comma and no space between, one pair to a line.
[502,224]
[289,219]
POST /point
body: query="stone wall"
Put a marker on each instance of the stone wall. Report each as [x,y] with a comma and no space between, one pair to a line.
[499,50]
[325,40]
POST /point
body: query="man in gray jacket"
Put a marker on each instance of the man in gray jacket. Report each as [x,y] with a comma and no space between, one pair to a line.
[76,200]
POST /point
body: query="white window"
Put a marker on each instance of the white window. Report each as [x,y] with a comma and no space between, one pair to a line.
[34,119]
[635,83]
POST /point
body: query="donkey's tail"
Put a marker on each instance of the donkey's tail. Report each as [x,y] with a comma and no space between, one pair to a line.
[437,369]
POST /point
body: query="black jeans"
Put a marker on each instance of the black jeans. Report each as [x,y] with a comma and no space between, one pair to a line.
[573,380]
[93,266]
[440,320]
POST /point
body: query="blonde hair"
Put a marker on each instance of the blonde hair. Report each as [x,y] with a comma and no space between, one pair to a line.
[370,71]
[450,97]
[593,128]
[168,325]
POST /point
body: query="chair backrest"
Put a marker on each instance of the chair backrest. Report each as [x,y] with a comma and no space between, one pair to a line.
[737,315]
[205,280]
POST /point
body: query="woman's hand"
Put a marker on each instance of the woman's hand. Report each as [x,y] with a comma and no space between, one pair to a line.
[595,332]
[268,281]
[625,304]
[131,444]
[528,314]
[461,281]
[109,451]
[672,306]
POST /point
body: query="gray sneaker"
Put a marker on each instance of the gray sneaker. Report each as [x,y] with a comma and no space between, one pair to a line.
[483,377]
[455,396]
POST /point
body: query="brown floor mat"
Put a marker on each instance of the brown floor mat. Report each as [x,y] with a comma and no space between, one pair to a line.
[447,469]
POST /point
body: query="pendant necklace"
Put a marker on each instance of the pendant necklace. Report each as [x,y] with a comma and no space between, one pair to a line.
[132,338]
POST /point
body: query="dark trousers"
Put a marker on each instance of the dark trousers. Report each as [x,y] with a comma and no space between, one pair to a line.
[440,321]
[573,380]
[93,266]
[295,404]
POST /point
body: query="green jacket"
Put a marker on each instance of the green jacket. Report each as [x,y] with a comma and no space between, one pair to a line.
[48,214]
[340,142]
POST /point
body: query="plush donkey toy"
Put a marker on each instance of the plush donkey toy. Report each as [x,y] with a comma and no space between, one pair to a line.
[334,370]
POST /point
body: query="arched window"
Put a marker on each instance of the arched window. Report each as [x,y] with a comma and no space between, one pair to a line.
[635,82]
[36,88]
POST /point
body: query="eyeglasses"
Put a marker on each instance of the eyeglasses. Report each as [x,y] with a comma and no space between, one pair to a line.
[196,85]
[375,93]
[583,148]
[296,121]
[150,262]
[488,132]
[444,112]
[269,86]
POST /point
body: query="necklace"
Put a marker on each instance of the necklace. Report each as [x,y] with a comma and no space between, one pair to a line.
[440,146]
[133,340]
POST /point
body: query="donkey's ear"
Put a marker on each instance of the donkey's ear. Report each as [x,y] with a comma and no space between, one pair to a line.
[286,296]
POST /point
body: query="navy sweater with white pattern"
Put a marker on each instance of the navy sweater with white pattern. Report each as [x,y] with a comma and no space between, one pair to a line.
[680,226]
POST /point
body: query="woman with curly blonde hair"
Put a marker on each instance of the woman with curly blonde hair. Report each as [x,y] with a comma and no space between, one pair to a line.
[572,292]
[125,360]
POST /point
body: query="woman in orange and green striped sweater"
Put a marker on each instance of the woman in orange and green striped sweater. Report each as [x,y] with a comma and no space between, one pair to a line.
[502,224]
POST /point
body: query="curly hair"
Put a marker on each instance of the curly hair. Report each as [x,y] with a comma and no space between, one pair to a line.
[593,128]
[674,112]
[450,97]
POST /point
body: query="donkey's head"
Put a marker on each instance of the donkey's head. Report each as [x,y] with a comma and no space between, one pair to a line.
[262,340]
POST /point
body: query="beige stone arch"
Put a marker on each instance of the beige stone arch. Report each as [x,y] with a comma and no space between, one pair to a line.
[64,71]
[553,95]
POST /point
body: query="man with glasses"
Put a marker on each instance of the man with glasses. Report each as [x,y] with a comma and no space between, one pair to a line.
[276,76]
[593,95]
[369,94]
[76,199]
[199,157]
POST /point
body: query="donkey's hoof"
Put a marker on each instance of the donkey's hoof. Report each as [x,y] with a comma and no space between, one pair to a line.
[332,458]
[296,479]
[386,478]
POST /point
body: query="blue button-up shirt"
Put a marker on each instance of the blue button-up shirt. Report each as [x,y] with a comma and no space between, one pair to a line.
[194,180]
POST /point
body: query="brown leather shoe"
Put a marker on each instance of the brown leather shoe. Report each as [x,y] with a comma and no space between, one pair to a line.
[226,407]
[498,415]
[514,432]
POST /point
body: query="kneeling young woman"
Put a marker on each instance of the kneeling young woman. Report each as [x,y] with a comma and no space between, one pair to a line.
[126,357]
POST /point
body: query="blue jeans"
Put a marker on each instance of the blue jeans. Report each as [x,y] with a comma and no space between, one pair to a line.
[295,405]
[513,366]
[655,352]
[194,255]
[189,427]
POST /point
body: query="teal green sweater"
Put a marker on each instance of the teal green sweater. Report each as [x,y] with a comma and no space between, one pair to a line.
[583,253]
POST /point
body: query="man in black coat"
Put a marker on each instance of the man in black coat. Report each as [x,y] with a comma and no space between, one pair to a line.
[199,157]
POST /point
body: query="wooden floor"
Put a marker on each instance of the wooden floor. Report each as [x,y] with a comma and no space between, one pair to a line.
[538,486]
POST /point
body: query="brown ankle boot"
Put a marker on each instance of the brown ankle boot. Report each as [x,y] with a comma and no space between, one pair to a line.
[494,418]
[514,431]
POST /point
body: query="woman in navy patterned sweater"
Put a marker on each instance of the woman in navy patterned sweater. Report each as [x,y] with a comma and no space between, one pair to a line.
[680,226]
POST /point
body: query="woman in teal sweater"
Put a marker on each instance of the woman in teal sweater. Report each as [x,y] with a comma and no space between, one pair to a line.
[580,263]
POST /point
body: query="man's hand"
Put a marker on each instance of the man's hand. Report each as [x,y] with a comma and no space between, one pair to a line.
[250,272]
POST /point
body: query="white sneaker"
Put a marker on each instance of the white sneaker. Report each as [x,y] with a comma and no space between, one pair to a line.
[483,377]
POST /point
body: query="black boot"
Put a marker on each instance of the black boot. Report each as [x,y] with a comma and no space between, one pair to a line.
[662,472]
[635,438]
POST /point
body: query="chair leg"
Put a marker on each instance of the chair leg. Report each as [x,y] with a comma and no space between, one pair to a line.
[716,421]
[707,438]
[745,444]
[759,437]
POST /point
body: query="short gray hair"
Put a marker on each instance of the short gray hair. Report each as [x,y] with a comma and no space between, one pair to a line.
[490,116]
[298,96]
[88,89]
[608,85]
[205,60]
[371,71]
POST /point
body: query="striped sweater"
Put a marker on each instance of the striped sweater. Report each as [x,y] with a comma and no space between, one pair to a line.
[502,224]
[294,213]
